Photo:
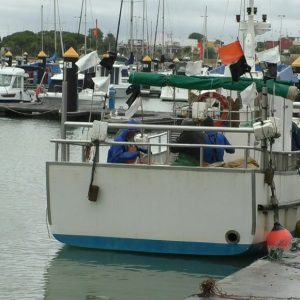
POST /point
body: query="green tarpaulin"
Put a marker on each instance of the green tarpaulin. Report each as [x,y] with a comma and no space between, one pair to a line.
[207,82]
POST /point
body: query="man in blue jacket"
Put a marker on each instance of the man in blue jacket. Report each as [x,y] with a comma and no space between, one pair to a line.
[212,155]
[125,153]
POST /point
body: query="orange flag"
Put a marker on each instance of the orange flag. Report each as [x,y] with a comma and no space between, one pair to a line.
[95,31]
[200,47]
[231,53]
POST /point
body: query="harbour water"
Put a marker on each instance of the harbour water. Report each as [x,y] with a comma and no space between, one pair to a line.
[35,266]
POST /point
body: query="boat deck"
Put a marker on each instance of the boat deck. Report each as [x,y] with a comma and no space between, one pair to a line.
[263,279]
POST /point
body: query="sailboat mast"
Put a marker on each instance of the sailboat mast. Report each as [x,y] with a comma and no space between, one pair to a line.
[85,41]
[143,39]
[155,33]
[131,26]
[118,29]
[55,44]
[42,26]
[163,27]
[205,36]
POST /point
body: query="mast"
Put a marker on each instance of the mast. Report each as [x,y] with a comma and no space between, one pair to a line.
[118,29]
[155,33]
[85,27]
[131,26]
[143,38]
[250,29]
[163,27]
[42,26]
[55,44]
[205,49]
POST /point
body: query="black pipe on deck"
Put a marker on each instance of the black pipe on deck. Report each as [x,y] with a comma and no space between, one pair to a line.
[70,58]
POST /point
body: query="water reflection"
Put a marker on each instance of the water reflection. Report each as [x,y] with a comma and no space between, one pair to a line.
[86,274]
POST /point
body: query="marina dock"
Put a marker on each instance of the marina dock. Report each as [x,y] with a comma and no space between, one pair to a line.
[264,279]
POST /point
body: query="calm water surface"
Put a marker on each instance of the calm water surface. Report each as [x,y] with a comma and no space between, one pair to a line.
[35,266]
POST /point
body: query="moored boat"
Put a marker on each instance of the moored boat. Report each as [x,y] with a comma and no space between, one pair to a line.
[12,88]
[162,208]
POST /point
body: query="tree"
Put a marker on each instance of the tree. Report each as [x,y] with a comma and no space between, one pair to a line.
[109,43]
[31,42]
[196,36]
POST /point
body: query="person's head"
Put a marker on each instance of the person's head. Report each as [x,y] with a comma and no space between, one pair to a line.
[188,122]
[208,121]
[132,131]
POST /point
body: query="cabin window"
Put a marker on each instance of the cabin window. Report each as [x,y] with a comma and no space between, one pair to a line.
[116,75]
[5,80]
[18,82]
[124,73]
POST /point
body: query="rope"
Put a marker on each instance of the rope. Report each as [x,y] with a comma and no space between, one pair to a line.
[210,289]
[29,114]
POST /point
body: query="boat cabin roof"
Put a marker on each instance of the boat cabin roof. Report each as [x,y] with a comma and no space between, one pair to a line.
[12,71]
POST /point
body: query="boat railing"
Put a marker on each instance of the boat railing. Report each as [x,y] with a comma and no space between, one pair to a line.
[159,143]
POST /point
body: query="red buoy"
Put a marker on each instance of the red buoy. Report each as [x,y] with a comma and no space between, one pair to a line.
[279,238]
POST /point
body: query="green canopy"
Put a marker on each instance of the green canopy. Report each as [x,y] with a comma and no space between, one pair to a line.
[281,88]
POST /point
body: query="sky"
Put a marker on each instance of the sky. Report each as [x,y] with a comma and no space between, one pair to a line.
[181,18]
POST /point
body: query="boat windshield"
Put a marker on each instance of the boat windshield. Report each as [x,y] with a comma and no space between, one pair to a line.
[5,79]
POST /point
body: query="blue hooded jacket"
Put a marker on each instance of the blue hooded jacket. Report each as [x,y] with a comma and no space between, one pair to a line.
[120,153]
[212,155]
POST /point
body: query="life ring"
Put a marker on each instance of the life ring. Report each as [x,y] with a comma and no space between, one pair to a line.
[224,104]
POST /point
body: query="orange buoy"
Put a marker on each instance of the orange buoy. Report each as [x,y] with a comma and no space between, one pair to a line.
[279,238]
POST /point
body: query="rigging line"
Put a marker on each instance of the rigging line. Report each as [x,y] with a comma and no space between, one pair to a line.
[156,26]
[226,10]
[60,30]
[80,17]
[118,29]
[147,26]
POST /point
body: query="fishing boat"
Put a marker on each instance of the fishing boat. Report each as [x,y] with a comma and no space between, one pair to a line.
[162,208]
[158,207]
[12,88]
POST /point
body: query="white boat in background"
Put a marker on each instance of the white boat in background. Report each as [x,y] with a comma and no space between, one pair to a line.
[117,76]
[12,88]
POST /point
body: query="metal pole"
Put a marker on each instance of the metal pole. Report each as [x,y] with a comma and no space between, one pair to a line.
[280,30]
[264,116]
[55,43]
[42,26]
[64,113]
[131,26]
[143,40]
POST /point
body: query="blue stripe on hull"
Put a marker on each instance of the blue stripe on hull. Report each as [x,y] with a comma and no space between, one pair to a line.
[157,246]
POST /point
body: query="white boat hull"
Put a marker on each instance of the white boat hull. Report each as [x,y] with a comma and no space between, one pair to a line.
[150,211]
